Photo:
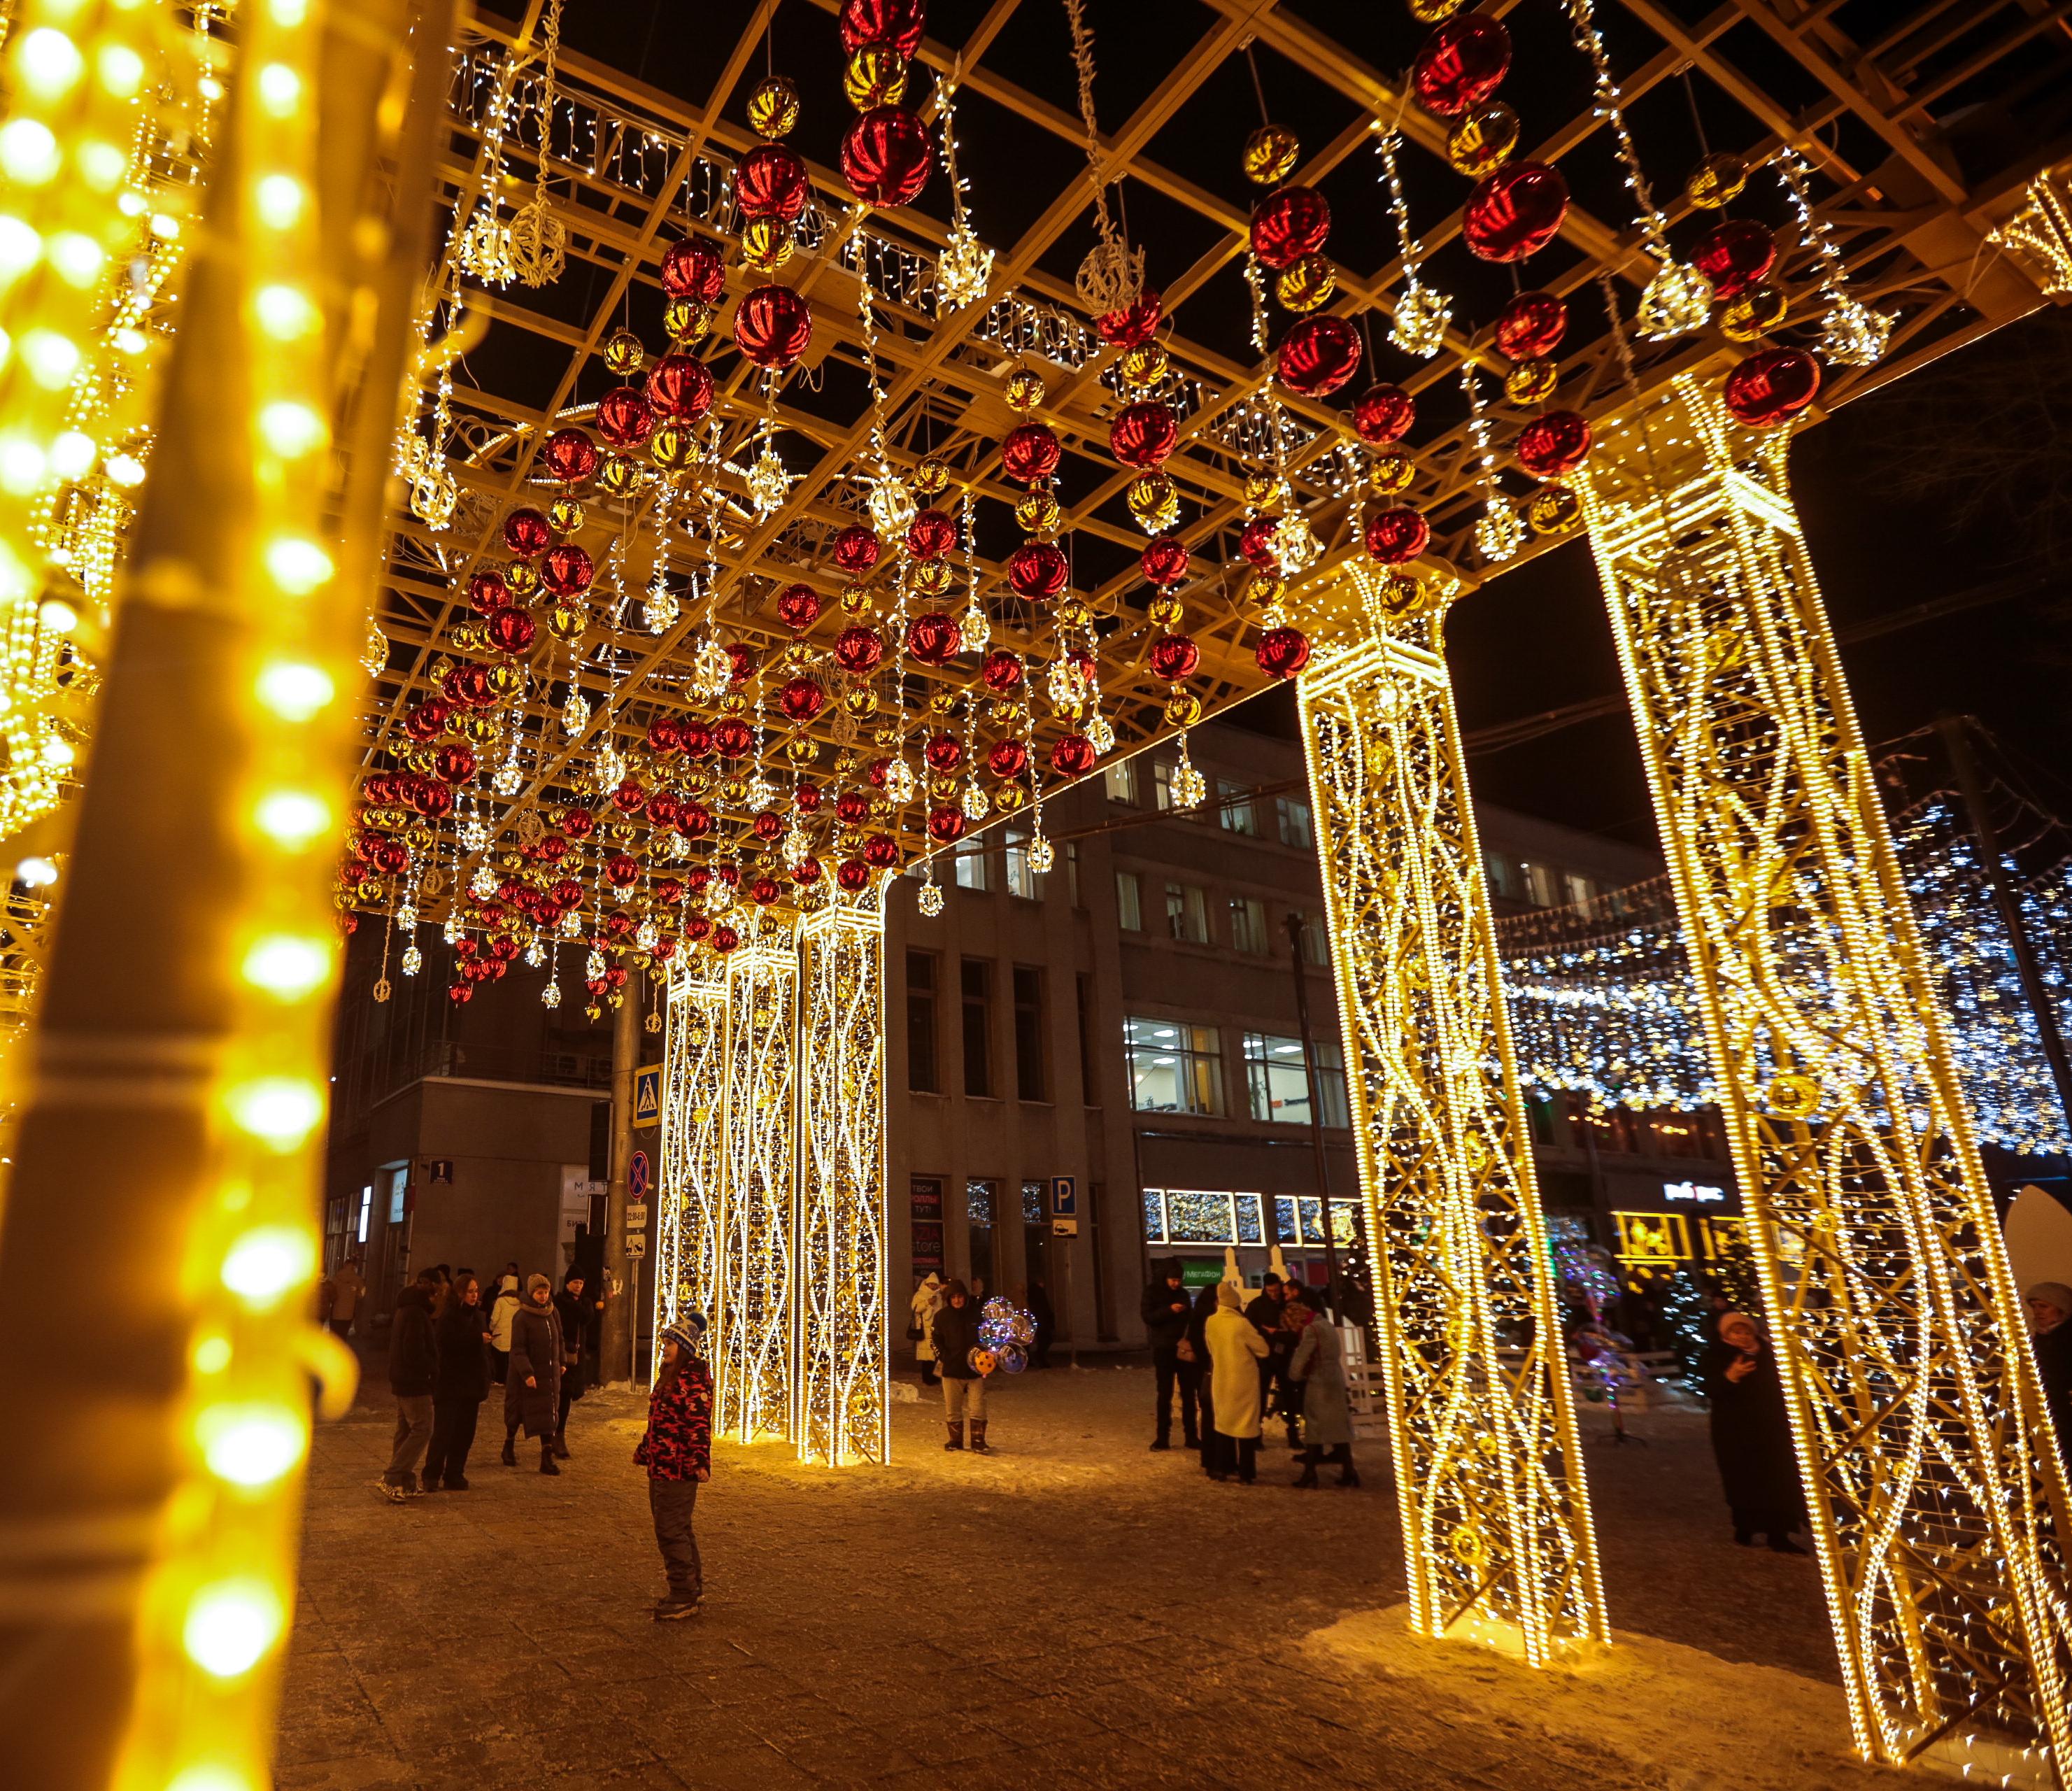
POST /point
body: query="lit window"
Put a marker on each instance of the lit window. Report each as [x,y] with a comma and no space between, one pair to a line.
[1187,913]
[1278,1087]
[1120,779]
[1129,901]
[1292,815]
[970,866]
[1173,1068]
[1235,811]
[1248,918]
[1021,880]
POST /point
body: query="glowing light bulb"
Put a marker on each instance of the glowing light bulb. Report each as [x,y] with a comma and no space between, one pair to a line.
[231,1626]
[295,690]
[251,1446]
[297,566]
[267,1263]
[293,817]
[286,966]
[279,1110]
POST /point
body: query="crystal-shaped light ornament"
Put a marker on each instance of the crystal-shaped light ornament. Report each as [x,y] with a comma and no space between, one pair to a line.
[1189,786]
[1043,854]
[1066,684]
[974,632]
[593,965]
[768,483]
[762,793]
[536,953]
[977,804]
[572,925]
[660,609]
[1100,736]
[610,768]
[892,505]
[1500,533]
[450,932]
[679,846]
[645,937]
[962,270]
[1421,316]
[794,846]
[406,916]
[374,652]
[575,714]
[1853,335]
[930,900]
[719,897]
[899,781]
[551,995]
[433,498]
[509,780]
[1295,543]
[712,669]
[1678,300]
[474,833]
[413,960]
[482,885]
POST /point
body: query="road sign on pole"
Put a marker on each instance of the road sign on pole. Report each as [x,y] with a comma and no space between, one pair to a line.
[640,1177]
[648,1095]
[1064,1206]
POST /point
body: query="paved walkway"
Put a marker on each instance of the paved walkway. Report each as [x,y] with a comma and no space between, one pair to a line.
[1074,1611]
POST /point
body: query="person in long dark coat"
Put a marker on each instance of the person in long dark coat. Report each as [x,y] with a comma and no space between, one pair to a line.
[1198,1340]
[533,1392]
[1167,1314]
[462,1385]
[575,1313]
[1752,1436]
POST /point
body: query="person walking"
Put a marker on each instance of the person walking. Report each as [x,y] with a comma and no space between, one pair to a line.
[1268,1308]
[348,1290]
[676,1452]
[413,1368]
[574,1312]
[955,1332]
[1167,1316]
[1318,1367]
[532,1386]
[462,1384]
[1752,1436]
[503,1309]
[1237,1349]
[1198,1340]
[927,1297]
[2049,1304]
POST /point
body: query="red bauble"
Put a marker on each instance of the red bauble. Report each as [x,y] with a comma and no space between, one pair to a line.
[852,808]
[875,773]
[1173,656]
[487,592]
[763,891]
[897,23]
[1255,540]
[663,807]
[770,182]
[694,270]
[1553,444]
[577,824]
[1772,387]
[732,738]
[797,607]
[459,994]
[1029,452]
[807,870]
[1318,356]
[680,387]
[623,871]
[568,455]
[855,549]
[665,734]
[510,630]
[853,874]
[1001,671]
[623,418]
[1163,560]
[768,825]
[724,939]
[807,799]
[858,650]
[1461,64]
[1008,758]
[434,801]
[1142,435]
[468,686]
[1134,324]
[743,657]
[931,638]
[1289,224]
[629,798]
[1396,536]
[944,752]
[455,764]
[694,819]
[1384,414]
[1072,755]
[568,569]
[772,327]
[801,700]
[1283,652]
[696,927]
[1734,256]
[697,738]
[932,534]
[946,824]
[528,534]
[1531,326]
[880,851]
[886,157]
[1516,212]
[1038,570]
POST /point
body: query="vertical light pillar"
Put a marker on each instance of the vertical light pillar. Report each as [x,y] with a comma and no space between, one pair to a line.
[1496,1520]
[691,1219]
[1936,1488]
[841,1339]
[755,1388]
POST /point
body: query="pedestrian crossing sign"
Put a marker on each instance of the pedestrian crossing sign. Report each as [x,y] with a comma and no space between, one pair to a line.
[648,1095]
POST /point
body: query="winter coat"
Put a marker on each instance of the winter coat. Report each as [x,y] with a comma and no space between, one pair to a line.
[536,1350]
[414,1353]
[1752,1440]
[347,1289]
[927,1298]
[463,1365]
[502,1311]
[955,1336]
[678,1445]
[1319,1364]
[574,1312]
[1236,1349]
[1163,1327]
[1266,1314]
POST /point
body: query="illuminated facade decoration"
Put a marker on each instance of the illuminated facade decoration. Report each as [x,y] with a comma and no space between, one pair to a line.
[691,1215]
[841,1337]
[1496,1520]
[2041,232]
[1937,1497]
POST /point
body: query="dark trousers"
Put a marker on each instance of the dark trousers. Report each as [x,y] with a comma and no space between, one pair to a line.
[453,1435]
[1167,1363]
[414,1430]
[1208,1421]
[1238,1453]
[673,1503]
[562,1423]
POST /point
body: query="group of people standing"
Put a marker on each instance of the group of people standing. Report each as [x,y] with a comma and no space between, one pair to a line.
[1233,1362]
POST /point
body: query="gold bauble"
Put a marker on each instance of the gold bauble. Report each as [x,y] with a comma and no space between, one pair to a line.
[1305,284]
[1003,711]
[617,475]
[944,788]
[766,244]
[1008,797]
[1555,510]
[1271,153]
[1433,12]
[467,636]
[942,702]
[673,447]
[859,702]
[876,76]
[1166,613]
[1531,382]
[801,750]
[1388,475]
[773,108]
[1037,513]
[1024,388]
[799,655]
[732,793]
[419,756]
[1145,364]
[566,515]
[1260,489]
[1183,708]
[566,622]
[522,578]
[624,353]
[931,477]
[1154,502]
[1483,140]
[1753,314]
[932,578]
[506,679]
[478,730]
[1400,594]
[855,601]
[1715,181]
[1071,612]
[686,320]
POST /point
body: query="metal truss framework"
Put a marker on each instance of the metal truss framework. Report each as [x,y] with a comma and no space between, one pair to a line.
[1496,1519]
[1936,1486]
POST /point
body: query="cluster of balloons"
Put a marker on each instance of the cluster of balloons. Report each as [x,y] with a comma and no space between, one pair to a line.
[1005,1333]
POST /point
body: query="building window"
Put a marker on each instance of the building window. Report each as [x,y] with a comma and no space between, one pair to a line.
[1129,901]
[1541,889]
[366,1211]
[1310,932]
[923,1074]
[970,866]
[1173,1068]
[1032,1202]
[1187,913]
[978,1022]
[1279,1089]
[1120,779]
[1162,785]
[1505,881]
[1292,815]
[1235,811]
[1021,879]
[1072,873]
[1029,1082]
[1089,1083]
[1247,919]
[1576,890]
[980,1198]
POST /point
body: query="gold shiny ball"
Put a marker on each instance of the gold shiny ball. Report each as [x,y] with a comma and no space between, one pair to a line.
[617,475]
[419,756]
[1071,612]
[624,353]
[1555,510]
[522,578]
[467,636]
[566,515]
[1400,594]
[876,76]
[1260,489]
[567,621]
[1166,613]
[1753,314]
[801,750]
[855,601]
[859,702]
[1037,513]
[1387,475]
[1715,181]
[1154,501]
[686,320]
[506,679]
[673,447]
[1484,139]
[1003,711]
[931,477]
[944,788]
[766,244]
[1183,708]
[932,578]
[773,108]
[942,702]
[1271,153]
[1433,12]
[1531,382]
[733,792]
[1305,284]
[1024,388]
[478,730]
[1009,795]
[1265,586]
[1145,364]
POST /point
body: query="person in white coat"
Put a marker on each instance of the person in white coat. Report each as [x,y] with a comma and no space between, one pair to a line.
[927,1297]
[501,1312]
[1236,1351]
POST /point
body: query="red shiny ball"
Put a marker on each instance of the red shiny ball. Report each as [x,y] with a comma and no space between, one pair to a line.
[1553,444]
[623,871]
[510,630]
[1038,570]
[768,825]
[568,455]
[932,534]
[1282,652]
[858,650]
[665,734]
[1531,326]
[855,549]
[806,870]
[944,752]
[770,182]
[577,824]
[1008,758]
[663,808]
[743,657]
[528,534]
[694,820]
[1255,540]
[1029,452]
[434,801]
[1318,356]
[1001,671]
[724,939]
[732,738]
[1384,414]
[801,700]
[852,808]
[1734,256]
[568,569]
[680,387]
[763,891]
[1396,536]
[880,851]
[853,874]
[1132,325]
[797,607]
[1164,560]
[886,157]
[697,738]
[1289,224]
[629,798]
[1772,387]
[946,824]
[807,799]
[1516,212]
[932,638]
[695,270]
[897,23]
[1461,64]
[487,592]
[623,417]
[773,326]
[1142,435]
[456,764]
[1173,656]
[1072,755]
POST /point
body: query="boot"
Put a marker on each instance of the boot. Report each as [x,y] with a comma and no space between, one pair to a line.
[547,1464]
[1307,1476]
[978,1438]
[562,1446]
[1349,1476]
[956,1427]
[510,1448]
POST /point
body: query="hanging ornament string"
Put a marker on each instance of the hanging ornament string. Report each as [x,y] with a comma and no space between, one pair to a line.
[1851,335]
[538,241]
[964,269]
[1111,277]
[1421,314]
[1498,533]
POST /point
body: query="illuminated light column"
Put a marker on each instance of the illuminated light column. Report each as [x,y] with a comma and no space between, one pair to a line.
[1496,1520]
[691,1221]
[755,1388]
[1937,1496]
[841,1339]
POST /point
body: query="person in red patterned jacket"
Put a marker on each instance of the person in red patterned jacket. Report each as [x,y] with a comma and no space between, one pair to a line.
[676,1452]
